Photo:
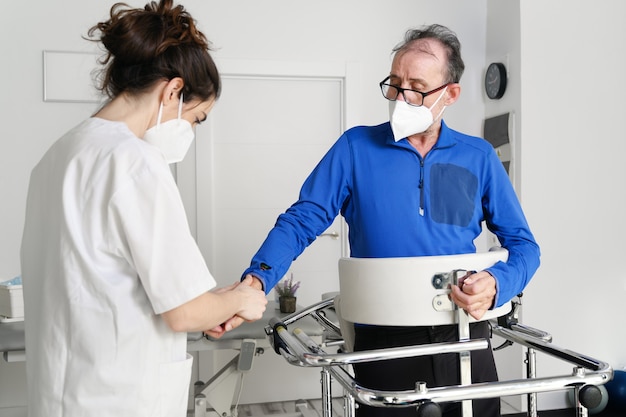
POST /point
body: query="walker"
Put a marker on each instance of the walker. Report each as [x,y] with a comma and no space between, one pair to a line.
[366,298]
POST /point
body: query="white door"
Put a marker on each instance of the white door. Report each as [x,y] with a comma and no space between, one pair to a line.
[272,124]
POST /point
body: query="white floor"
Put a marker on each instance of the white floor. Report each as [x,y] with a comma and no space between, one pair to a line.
[300,408]
[312,408]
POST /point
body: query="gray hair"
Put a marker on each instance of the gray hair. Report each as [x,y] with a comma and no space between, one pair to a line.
[449,41]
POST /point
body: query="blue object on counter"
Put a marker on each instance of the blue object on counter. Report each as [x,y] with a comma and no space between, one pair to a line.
[15,281]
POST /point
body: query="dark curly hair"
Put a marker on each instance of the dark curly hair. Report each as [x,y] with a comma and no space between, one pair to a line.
[159,42]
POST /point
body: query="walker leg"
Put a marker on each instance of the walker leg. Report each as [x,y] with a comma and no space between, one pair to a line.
[464,357]
[349,405]
[581,411]
[327,400]
[531,372]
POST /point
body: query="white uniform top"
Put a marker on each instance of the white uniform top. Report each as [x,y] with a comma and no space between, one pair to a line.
[106,249]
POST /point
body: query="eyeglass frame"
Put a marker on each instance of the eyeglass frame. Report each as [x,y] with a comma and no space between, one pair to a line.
[402,90]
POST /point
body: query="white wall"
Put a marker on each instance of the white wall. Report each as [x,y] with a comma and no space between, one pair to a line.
[566,90]
[278,30]
[503,45]
[359,31]
[567,95]
[572,100]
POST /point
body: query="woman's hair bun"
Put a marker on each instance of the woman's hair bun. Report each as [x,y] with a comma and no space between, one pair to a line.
[159,42]
[134,36]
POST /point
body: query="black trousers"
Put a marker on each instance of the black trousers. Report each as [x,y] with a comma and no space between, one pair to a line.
[435,370]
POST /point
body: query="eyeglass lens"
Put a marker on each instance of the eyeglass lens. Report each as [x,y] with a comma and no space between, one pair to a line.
[391,92]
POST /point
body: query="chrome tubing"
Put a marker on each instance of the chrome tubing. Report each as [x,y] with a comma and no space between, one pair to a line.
[531,331]
[548,348]
[308,310]
[299,356]
[326,322]
[327,405]
[299,349]
[453,393]
[317,357]
[313,310]
[531,372]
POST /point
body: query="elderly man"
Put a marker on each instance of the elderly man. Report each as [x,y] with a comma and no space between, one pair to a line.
[413,187]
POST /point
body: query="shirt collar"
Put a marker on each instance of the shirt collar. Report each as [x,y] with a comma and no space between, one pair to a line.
[445,140]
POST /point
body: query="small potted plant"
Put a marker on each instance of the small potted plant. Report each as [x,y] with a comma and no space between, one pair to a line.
[287,294]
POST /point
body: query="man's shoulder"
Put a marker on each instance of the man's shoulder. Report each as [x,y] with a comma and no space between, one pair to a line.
[475,142]
[364,134]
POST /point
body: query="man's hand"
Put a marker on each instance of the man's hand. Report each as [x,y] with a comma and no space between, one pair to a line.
[255,300]
[475,294]
[255,283]
[235,321]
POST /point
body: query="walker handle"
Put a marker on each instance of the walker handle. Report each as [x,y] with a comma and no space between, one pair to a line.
[277,341]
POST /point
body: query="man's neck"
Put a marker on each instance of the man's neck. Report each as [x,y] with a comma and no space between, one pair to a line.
[425,141]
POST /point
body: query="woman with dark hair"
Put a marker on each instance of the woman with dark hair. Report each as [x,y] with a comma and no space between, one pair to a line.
[113,278]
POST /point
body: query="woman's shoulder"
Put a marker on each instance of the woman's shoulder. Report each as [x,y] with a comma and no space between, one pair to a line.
[110,146]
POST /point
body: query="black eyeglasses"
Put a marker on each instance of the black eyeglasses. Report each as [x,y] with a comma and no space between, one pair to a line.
[412,97]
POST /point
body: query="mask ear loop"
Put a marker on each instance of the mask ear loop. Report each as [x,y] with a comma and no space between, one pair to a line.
[435,103]
[180,105]
[159,115]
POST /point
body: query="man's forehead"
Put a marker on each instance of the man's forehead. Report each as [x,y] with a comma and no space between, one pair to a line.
[422,60]
[428,46]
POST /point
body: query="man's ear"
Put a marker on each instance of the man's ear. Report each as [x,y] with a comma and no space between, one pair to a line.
[453,93]
[172,91]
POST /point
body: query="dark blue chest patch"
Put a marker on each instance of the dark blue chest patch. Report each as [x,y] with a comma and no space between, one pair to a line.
[452,194]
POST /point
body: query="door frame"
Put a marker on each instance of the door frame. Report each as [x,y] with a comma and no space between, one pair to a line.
[198,199]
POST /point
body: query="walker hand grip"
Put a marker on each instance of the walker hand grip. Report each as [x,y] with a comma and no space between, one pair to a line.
[277,341]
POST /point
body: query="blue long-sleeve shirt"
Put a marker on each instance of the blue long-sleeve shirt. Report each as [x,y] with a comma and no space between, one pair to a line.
[398,204]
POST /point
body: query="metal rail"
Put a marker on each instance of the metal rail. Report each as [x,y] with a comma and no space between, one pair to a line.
[300,350]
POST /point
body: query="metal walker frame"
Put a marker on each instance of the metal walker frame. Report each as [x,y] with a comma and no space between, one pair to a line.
[301,350]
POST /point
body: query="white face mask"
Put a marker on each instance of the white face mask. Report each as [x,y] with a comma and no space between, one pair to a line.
[407,120]
[173,137]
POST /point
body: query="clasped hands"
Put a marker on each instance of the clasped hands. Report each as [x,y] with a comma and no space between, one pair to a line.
[236,320]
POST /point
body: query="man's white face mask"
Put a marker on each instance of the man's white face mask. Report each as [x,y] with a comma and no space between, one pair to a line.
[173,137]
[407,120]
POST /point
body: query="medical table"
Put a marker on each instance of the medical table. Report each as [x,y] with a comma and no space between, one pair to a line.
[12,341]
[250,340]
[218,392]
[369,294]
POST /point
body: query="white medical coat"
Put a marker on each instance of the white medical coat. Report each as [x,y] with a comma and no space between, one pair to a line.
[106,249]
